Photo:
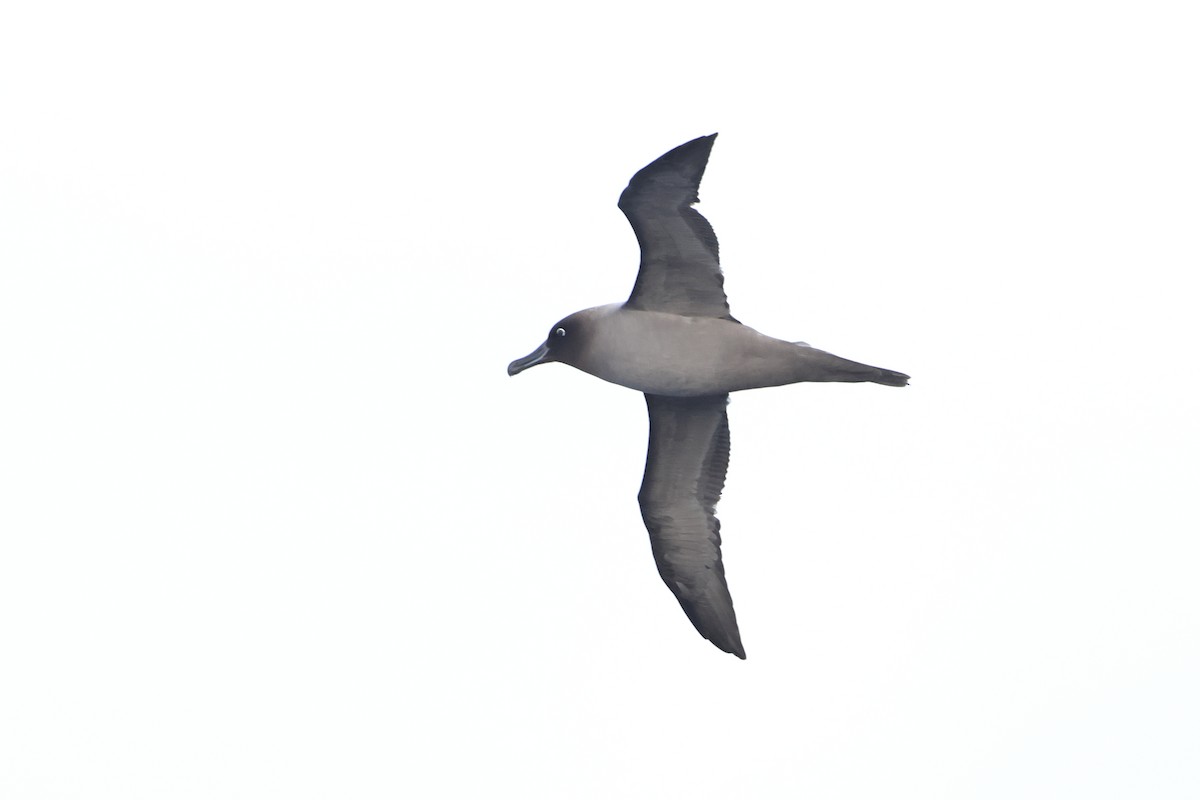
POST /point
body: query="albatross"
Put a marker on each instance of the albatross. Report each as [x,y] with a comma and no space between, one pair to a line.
[675,341]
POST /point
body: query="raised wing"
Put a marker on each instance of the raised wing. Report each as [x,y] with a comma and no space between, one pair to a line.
[680,271]
[685,473]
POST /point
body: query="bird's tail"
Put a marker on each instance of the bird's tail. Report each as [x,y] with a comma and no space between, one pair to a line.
[818,365]
[889,377]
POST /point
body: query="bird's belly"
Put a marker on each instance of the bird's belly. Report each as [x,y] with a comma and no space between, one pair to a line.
[679,356]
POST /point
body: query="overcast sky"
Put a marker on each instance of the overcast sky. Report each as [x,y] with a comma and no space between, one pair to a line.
[276,524]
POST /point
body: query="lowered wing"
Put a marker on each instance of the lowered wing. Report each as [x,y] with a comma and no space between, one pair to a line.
[685,473]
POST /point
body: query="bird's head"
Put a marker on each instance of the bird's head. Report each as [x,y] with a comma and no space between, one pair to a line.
[564,343]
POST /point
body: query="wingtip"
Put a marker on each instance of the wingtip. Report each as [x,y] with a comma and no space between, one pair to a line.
[735,648]
[692,154]
[726,640]
[677,171]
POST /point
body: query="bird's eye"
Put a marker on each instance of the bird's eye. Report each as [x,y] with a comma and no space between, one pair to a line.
[560,332]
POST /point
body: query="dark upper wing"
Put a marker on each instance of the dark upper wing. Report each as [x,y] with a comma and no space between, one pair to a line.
[680,271]
[685,472]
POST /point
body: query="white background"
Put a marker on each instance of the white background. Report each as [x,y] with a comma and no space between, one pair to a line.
[276,524]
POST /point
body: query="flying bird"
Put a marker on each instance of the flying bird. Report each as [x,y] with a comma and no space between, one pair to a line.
[675,340]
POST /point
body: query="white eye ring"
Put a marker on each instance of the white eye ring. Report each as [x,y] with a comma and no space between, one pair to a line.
[560,332]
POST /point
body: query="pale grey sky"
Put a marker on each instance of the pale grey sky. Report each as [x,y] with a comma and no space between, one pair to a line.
[277,524]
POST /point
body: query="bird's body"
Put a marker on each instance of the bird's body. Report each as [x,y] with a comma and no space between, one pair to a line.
[675,340]
[677,356]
